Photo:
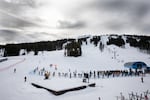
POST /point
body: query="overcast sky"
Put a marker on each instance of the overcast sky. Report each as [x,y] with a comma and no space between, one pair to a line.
[36,20]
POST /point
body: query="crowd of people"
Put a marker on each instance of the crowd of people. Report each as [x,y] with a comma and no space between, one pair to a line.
[86,74]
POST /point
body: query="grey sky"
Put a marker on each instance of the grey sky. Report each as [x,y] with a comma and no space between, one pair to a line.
[36,20]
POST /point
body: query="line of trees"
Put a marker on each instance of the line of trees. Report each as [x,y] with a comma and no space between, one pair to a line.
[118,41]
[141,42]
[95,40]
[14,49]
[73,49]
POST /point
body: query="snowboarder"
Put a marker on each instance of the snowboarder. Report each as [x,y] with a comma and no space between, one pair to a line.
[25,79]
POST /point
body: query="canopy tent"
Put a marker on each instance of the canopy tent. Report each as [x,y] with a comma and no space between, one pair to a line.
[135,65]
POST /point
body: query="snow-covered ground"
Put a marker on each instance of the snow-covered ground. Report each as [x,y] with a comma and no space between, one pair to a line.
[13,87]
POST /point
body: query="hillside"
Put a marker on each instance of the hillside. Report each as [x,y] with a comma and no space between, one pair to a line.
[112,57]
[140,42]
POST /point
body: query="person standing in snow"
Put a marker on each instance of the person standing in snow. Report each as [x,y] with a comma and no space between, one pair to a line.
[25,79]
[142,79]
[14,70]
[99,98]
[122,97]
[146,97]
[70,74]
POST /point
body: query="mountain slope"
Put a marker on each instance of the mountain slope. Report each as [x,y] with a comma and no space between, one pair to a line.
[13,87]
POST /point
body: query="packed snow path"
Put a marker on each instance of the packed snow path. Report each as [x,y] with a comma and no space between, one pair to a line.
[12,62]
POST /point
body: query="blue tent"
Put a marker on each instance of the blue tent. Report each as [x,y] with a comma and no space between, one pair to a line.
[136,65]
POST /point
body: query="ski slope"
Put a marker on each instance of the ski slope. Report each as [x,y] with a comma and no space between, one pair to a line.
[13,87]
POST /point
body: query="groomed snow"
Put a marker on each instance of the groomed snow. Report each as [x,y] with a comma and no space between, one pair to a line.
[13,87]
